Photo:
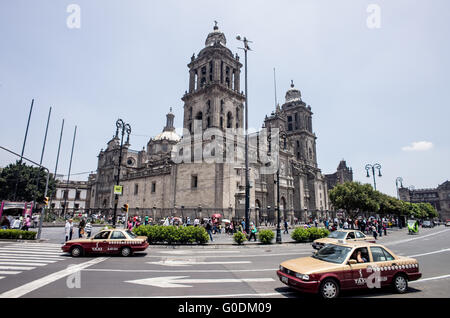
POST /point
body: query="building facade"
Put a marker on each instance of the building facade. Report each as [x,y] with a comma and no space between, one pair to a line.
[71,196]
[343,174]
[156,184]
[438,197]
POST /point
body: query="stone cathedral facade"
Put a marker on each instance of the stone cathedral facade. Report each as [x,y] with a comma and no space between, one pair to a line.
[155,185]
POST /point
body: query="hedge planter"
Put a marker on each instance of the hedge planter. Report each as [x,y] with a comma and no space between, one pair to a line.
[173,234]
[239,238]
[17,235]
[266,236]
[301,235]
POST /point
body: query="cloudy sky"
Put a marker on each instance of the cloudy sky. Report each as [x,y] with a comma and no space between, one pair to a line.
[376,77]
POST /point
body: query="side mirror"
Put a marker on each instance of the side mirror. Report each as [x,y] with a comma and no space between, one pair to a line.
[352,262]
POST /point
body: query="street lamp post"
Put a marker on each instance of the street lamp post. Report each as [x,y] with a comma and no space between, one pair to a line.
[247,184]
[120,125]
[373,167]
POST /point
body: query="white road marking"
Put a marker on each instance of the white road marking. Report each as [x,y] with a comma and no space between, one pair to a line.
[21,263]
[429,253]
[209,296]
[181,271]
[180,281]
[193,262]
[196,252]
[238,256]
[8,250]
[23,268]
[46,257]
[415,238]
[27,288]
[1,277]
[9,273]
[431,278]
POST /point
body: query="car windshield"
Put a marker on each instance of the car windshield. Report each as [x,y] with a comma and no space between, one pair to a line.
[333,253]
[411,222]
[337,235]
[131,234]
[426,222]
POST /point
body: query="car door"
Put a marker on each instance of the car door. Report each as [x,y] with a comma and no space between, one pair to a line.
[361,271]
[360,236]
[99,243]
[116,241]
[385,264]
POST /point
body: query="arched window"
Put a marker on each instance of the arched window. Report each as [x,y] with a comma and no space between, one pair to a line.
[229,120]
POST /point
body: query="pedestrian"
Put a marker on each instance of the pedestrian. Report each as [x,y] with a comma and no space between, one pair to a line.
[385,228]
[88,229]
[81,226]
[209,230]
[69,230]
[253,232]
[374,231]
[146,220]
[286,227]
[26,223]
[35,220]
[5,224]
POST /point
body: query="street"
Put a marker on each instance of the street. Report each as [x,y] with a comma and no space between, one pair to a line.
[214,270]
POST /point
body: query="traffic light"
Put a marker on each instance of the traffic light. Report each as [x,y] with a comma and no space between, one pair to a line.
[125,207]
[46,200]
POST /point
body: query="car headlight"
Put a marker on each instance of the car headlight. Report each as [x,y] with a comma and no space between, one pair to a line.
[281,268]
[302,276]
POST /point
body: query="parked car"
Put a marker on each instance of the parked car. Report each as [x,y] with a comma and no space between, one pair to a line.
[427,224]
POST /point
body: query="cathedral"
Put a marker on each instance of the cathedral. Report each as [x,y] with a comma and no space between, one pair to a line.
[156,184]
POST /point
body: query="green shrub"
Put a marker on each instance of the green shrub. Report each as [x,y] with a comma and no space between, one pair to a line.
[266,236]
[314,233]
[239,237]
[173,234]
[324,232]
[300,235]
[17,235]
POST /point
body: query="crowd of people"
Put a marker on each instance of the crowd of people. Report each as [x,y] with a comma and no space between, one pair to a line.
[19,222]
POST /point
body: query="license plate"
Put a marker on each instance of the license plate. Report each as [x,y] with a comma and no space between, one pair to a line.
[284,279]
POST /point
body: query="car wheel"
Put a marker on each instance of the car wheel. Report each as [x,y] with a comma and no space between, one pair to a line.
[400,284]
[76,251]
[125,251]
[329,289]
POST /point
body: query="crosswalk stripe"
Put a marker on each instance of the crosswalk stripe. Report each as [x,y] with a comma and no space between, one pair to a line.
[30,252]
[44,257]
[33,248]
[9,273]
[22,263]
[1,277]
[24,268]
[31,260]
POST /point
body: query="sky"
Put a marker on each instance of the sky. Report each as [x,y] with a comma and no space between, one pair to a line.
[376,77]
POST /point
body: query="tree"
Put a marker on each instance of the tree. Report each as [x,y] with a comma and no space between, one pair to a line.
[25,177]
[354,197]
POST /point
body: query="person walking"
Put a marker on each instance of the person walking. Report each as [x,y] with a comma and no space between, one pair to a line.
[69,230]
[253,232]
[26,223]
[88,229]
[374,231]
[209,230]
[286,227]
[81,226]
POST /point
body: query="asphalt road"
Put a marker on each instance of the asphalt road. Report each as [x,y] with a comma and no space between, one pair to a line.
[224,271]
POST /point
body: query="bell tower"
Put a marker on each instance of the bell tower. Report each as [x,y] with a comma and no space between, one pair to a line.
[214,95]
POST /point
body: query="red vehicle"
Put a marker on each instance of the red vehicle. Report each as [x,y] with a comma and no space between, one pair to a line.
[115,241]
[346,266]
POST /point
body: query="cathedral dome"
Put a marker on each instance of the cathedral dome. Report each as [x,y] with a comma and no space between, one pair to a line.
[167,135]
[293,94]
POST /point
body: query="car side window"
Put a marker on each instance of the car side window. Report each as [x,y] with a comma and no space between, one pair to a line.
[360,235]
[378,254]
[102,235]
[351,235]
[389,257]
[117,235]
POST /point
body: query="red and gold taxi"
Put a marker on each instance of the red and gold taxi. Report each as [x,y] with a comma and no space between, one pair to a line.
[113,241]
[347,235]
[349,265]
